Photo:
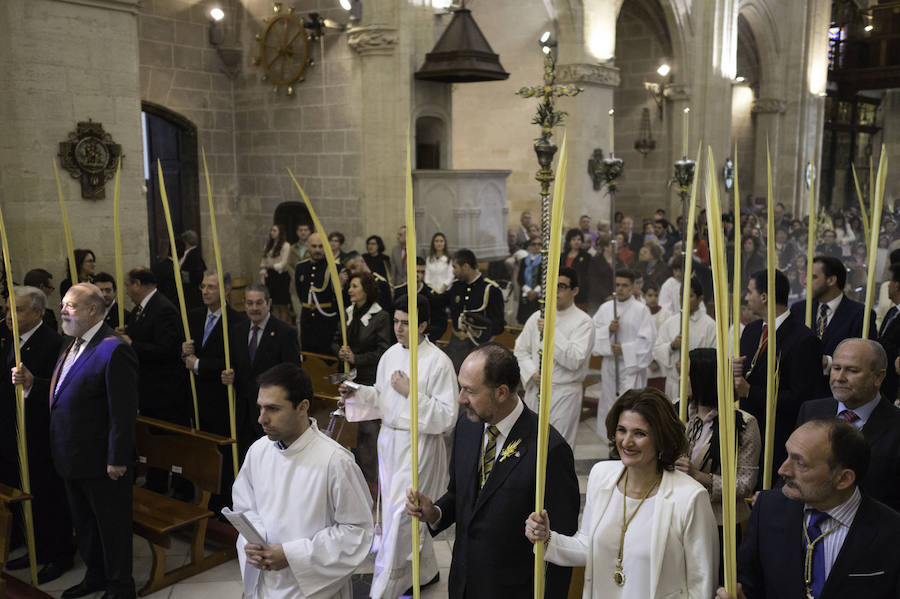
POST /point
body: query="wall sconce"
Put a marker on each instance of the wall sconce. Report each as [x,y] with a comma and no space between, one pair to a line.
[216,28]
[230,56]
[354,7]
[547,42]
[659,91]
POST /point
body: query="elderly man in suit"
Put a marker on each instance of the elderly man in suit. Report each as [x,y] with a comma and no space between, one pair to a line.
[799,358]
[856,373]
[819,536]
[40,346]
[257,344]
[93,408]
[835,316]
[492,485]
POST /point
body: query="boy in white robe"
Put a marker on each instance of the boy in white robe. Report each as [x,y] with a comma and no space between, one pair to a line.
[667,350]
[573,341]
[306,497]
[633,348]
[389,401]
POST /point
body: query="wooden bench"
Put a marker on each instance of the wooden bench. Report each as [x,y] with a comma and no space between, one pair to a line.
[8,497]
[327,399]
[508,337]
[195,456]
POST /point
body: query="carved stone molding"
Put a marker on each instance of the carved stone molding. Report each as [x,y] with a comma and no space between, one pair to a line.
[678,92]
[587,74]
[372,39]
[769,106]
[129,6]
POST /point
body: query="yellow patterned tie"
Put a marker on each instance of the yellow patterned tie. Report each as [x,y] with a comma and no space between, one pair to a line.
[490,452]
[823,318]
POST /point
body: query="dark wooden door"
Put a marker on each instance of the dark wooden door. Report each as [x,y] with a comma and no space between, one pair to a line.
[171,140]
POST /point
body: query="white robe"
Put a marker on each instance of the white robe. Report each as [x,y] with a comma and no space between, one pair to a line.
[636,335]
[438,389]
[670,296]
[313,500]
[702,333]
[573,341]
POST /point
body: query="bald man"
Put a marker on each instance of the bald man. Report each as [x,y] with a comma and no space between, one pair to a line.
[318,306]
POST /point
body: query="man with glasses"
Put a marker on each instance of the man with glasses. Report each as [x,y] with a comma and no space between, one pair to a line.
[389,401]
[573,340]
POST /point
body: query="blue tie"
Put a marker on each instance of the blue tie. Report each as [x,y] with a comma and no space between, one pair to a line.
[210,324]
[818,558]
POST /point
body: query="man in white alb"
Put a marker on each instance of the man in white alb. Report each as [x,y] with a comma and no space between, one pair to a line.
[389,401]
[667,350]
[573,341]
[627,340]
[306,497]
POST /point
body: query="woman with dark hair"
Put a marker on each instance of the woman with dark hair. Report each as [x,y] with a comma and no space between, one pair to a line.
[580,260]
[752,258]
[85,264]
[653,269]
[648,530]
[369,334]
[275,272]
[376,259]
[438,269]
[703,461]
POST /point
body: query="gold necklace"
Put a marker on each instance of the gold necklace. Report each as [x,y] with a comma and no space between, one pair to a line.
[619,575]
[810,550]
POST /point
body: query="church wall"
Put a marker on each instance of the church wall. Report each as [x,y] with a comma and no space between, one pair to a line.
[643,189]
[57,68]
[181,71]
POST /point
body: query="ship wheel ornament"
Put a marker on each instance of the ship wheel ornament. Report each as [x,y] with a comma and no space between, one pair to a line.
[283,49]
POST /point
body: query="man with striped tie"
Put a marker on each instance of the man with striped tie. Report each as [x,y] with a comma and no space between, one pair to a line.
[856,373]
[492,484]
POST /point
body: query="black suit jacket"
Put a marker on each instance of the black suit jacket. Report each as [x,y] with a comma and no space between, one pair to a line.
[801,378]
[156,336]
[212,395]
[94,409]
[491,556]
[193,268]
[112,316]
[277,344]
[847,322]
[890,341]
[770,560]
[39,354]
[882,433]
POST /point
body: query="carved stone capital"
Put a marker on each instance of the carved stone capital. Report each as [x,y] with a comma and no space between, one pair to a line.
[372,39]
[587,74]
[769,106]
[678,92]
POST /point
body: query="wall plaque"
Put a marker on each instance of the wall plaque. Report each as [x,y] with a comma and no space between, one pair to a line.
[90,156]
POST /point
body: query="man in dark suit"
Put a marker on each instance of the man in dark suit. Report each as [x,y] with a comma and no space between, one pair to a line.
[94,395]
[257,344]
[854,553]
[856,374]
[835,316]
[492,485]
[43,280]
[40,347]
[155,334]
[435,329]
[192,268]
[799,359]
[204,355]
[889,337]
[106,283]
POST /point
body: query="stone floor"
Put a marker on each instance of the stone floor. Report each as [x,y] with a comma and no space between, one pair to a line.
[224,582]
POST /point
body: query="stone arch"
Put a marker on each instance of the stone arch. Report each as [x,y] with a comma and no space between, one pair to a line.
[764,28]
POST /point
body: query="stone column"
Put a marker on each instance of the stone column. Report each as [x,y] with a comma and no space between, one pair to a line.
[588,115]
[65,62]
[769,112]
[383,82]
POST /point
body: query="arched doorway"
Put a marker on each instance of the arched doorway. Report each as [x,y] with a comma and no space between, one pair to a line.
[291,214]
[172,140]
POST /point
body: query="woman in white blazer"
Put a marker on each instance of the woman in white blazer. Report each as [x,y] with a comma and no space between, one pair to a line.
[668,545]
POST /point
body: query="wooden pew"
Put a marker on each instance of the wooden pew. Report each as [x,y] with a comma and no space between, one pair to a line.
[8,497]
[195,456]
[508,337]
[326,400]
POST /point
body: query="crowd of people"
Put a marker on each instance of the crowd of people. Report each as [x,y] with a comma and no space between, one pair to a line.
[836,466]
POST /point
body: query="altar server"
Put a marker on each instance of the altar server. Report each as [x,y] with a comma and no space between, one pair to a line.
[306,497]
[389,401]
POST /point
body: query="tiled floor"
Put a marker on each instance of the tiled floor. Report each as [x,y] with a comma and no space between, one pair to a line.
[224,582]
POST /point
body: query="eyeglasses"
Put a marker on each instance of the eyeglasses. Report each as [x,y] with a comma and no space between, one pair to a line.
[563,286]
